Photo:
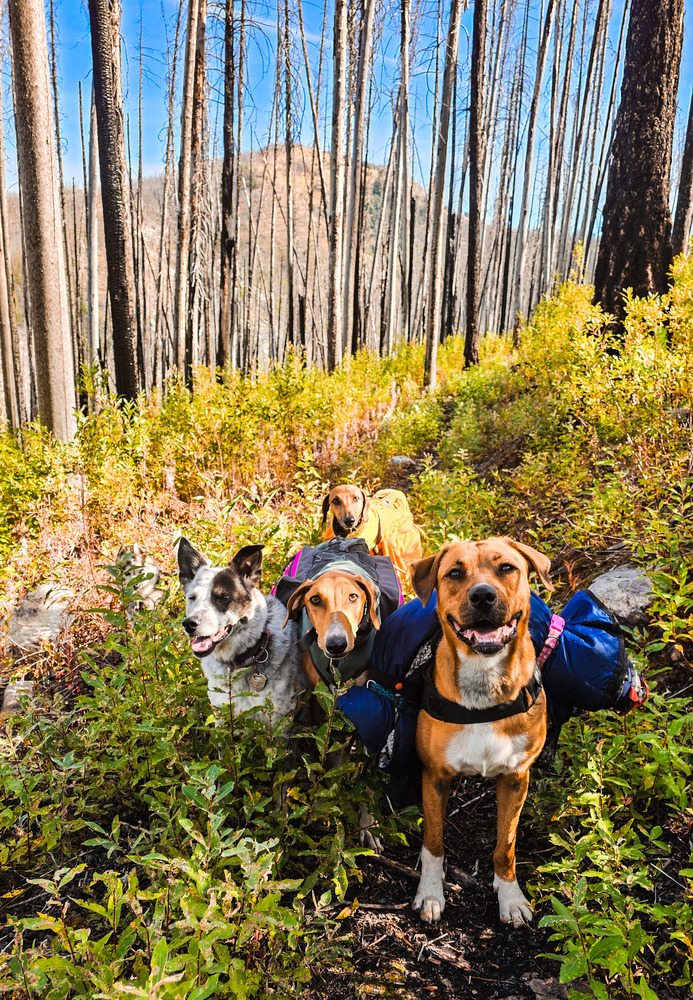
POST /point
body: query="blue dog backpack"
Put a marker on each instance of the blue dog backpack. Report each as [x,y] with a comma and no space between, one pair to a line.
[587,670]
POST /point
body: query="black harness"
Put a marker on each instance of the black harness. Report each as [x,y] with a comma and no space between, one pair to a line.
[444,710]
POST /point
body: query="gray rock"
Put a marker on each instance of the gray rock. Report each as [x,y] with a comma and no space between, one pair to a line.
[626,592]
[401,461]
[13,691]
[40,617]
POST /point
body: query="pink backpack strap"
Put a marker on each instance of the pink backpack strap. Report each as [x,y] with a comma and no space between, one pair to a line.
[289,570]
[555,629]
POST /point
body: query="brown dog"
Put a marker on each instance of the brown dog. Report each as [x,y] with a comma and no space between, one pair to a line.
[485,659]
[339,623]
[338,606]
[384,521]
[349,507]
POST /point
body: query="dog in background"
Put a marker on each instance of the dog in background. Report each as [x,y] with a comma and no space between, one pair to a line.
[485,709]
[237,633]
[135,562]
[383,520]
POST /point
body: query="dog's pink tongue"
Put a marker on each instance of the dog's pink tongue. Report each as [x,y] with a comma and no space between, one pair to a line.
[202,644]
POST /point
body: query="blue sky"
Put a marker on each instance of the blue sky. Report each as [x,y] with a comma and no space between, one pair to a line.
[155,19]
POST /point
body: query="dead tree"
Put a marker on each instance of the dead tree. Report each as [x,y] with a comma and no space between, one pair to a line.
[635,249]
[434,294]
[334,328]
[529,157]
[41,218]
[476,168]
[180,314]
[104,17]
[684,200]
[227,286]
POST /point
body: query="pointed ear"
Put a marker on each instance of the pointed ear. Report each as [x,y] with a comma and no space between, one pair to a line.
[540,563]
[295,602]
[138,550]
[248,563]
[325,506]
[369,590]
[424,574]
[366,508]
[189,561]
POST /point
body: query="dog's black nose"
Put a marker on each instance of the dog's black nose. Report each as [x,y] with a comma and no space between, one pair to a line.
[482,596]
[336,644]
[349,520]
[189,624]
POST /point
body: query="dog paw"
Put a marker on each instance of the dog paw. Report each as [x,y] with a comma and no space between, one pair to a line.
[513,907]
[430,908]
[430,898]
[369,840]
[366,838]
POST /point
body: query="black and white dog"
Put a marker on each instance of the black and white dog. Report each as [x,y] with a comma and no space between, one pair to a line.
[237,633]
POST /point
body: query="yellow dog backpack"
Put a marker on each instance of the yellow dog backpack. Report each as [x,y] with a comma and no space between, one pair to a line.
[390,531]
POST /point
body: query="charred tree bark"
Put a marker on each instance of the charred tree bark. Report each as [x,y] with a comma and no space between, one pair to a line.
[684,202]
[104,17]
[434,301]
[635,249]
[228,225]
[41,218]
[476,159]
[334,329]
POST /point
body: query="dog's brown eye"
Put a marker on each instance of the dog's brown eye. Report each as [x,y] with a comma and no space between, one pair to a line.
[455,573]
[353,597]
[336,501]
[506,568]
[315,600]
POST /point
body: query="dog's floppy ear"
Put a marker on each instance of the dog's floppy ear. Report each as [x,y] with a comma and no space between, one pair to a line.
[424,573]
[369,590]
[295,602]
[189,561]
[540,563]
[326,506]
[366,507]
[248,563]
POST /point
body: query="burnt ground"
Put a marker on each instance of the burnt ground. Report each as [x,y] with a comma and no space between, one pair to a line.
[469,953]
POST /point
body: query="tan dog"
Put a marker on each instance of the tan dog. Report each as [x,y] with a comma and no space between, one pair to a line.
[341,614]
[384,521]
[485,659]
[336,604]
[349,507]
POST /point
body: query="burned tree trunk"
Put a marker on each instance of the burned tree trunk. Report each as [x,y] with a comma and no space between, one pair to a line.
[684,201]
[104,17]
[476,160]
[41,218]
[434,301]
[635,250]
[334,328]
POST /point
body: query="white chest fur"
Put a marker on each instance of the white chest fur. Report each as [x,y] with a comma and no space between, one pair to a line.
[479,749]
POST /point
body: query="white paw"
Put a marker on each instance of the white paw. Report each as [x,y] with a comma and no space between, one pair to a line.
[430,898]
[366,838]
[513,907]
[429,909]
